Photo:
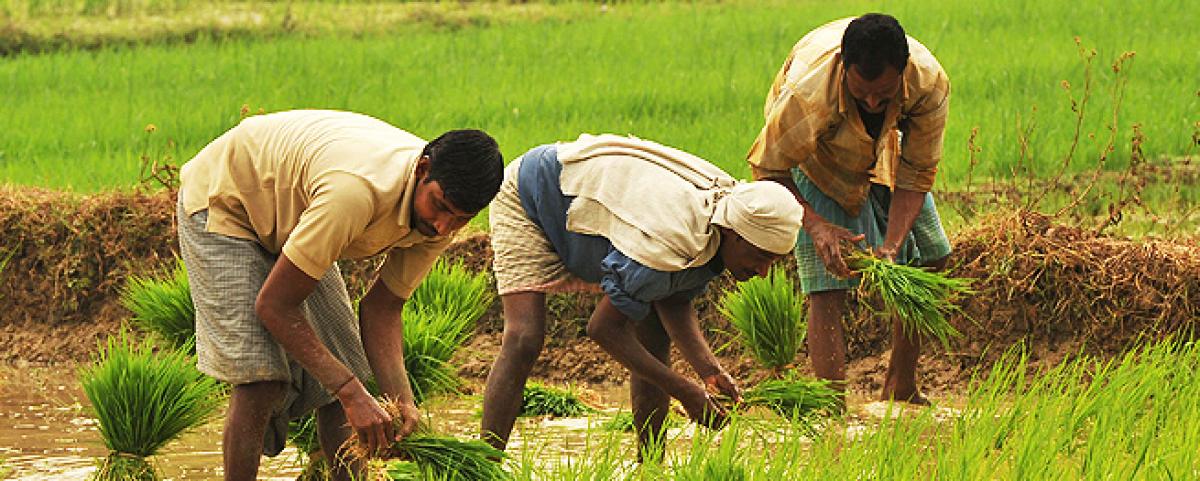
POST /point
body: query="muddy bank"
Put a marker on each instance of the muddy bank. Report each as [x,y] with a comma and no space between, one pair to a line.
[1057,288]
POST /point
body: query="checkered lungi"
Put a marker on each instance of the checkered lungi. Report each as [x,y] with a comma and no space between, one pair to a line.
[232,345]
[525,261]
[925,243]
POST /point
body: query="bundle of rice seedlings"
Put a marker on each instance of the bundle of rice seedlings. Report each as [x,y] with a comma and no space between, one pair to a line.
[922,299]
[542,400]
[454,291]
[623,421]
[144,399]
[768,317]
[795,398]
[436,457]
[439,319]
[162,304]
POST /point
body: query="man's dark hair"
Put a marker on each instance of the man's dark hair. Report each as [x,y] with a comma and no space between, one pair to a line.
[872,42]
[468,165]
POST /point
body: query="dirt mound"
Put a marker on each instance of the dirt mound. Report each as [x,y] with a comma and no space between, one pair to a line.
[1057,288]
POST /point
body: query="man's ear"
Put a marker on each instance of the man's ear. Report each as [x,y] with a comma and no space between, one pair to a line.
[422,171]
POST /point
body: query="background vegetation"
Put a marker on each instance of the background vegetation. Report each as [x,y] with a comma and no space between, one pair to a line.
[690,75]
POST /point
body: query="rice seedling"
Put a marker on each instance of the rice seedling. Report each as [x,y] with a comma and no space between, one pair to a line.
[767,314]
[162,304]
[144,399]
[543,400]
[438,320]
[795,398]
[436,457]
[622,421]
[922,299]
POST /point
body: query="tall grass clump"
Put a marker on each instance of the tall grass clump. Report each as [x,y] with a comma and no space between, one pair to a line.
[144,399]
[438,320]
[767,314]
[543,400]
[162,304]
[922,299]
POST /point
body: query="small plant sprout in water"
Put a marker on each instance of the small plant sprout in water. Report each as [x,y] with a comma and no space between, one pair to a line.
[766,314]
[543,400]
[922,299]
[162,304]
[144,399]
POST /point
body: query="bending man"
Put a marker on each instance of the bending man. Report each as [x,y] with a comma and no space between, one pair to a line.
[648,226]
[264,212]
[854,126]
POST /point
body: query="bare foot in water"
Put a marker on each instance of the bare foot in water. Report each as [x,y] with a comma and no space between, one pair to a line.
[913,397]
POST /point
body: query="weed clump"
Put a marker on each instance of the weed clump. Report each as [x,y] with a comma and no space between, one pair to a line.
[144,399]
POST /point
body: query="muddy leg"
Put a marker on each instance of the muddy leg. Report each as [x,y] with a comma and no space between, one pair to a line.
[651,404]
[901,381]
[250,407]
[333,430]
[827,337]
[524,333]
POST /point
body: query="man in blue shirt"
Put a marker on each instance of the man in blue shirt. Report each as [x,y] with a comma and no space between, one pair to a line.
[646,225]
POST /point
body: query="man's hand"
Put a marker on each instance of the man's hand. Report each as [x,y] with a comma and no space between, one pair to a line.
[702,408]
[409,416]
[367,418]
[886,253]
[827,240]
[723,383]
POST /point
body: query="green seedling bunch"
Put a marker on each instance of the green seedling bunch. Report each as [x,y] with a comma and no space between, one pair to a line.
[795,398]
[767,316]
[162,304]
[144,399]
[922,299]
[543,400]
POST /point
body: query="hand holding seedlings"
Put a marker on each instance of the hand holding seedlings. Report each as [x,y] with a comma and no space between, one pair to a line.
[722,383]
[370,422]
[704,408]
[827,239]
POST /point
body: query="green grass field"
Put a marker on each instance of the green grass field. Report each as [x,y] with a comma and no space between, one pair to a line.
[689,75]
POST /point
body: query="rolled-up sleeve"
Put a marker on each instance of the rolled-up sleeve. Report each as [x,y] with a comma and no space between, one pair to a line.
[405,267]
[921,147]
[631,286]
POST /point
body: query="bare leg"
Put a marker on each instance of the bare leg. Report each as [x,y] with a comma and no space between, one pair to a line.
[524,333]
[333,430]
[826,335]
[651,404]
[250,408]
[901,381]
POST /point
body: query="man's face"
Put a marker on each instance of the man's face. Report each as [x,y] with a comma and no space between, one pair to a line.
[432,213]
[873,95]
[742,259]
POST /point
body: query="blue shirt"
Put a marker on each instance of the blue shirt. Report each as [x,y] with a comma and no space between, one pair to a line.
[630,286]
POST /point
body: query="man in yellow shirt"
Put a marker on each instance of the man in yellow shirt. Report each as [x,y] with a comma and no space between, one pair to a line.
[854,124]
[264,213]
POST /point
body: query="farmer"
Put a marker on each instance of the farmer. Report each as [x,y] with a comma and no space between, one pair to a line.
[264,212]
[646,225]
[854,125]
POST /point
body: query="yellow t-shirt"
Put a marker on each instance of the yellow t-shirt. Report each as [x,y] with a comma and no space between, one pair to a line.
[812,123]
[318,186]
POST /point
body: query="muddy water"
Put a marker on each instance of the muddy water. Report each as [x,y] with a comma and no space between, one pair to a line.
[47,433]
